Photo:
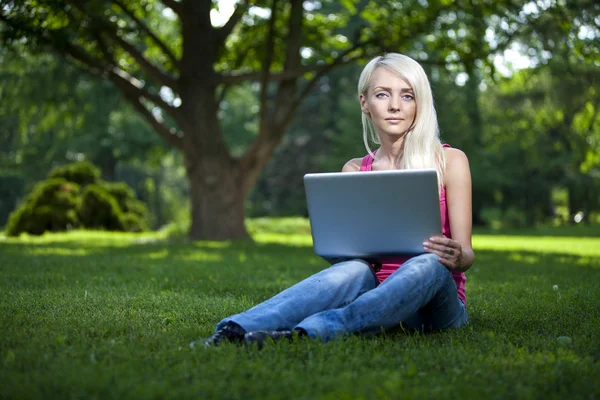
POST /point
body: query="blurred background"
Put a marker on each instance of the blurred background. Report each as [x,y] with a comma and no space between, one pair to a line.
[516,86]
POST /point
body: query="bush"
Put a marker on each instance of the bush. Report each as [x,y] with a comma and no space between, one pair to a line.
[100,210]
[75,196]
[81,172]
[125,197]
[51,206]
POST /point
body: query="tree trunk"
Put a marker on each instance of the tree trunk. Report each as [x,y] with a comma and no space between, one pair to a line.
[217,196]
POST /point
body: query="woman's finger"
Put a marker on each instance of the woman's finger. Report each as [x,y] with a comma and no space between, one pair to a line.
[439,247]
[443,241]
[438,253]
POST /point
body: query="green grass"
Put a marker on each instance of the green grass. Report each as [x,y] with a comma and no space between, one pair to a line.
[97,315]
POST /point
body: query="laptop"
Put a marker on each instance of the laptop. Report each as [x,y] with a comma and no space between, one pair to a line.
[378,216]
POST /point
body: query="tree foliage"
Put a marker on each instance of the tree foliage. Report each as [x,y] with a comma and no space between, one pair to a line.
[224,95]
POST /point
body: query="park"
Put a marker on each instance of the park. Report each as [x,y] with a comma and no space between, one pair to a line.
[151,164]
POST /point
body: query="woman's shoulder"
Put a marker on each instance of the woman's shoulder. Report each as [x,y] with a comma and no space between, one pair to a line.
[456,161]
[352,165]
[453,154]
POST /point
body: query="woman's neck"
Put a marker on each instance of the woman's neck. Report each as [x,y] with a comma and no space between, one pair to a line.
[390,153]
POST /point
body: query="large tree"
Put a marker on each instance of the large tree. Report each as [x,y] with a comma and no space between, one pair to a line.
[170,62]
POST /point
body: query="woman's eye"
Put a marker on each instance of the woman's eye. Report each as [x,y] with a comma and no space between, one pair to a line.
[381,95]
[408,97]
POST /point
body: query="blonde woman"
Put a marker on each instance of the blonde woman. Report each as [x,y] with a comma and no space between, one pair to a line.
[426,292]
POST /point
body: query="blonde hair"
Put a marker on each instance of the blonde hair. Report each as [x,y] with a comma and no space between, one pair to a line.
[422,146]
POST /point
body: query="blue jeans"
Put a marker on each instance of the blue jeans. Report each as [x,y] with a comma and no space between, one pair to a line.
[346,298]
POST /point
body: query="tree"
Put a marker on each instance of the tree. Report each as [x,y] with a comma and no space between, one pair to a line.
[174,67]
[53,113]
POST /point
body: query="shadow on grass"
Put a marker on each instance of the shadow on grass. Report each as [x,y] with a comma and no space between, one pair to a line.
[258,262]
[508,281]
[243,268]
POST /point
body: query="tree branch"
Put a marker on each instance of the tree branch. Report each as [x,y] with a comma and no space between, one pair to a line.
[147,30]
[279,76]
[155,73]
[172,136]
[263,145]
[226,29]
[126,83]
[107,28]
[98,67]
[129,84]
[343,59]
[239,61]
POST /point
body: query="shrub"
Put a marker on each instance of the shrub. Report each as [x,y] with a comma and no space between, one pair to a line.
[100,210]
[81,172]
[51,206]
[74,196]
[125,197]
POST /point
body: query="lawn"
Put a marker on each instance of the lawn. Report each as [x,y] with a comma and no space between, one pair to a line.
[98,315]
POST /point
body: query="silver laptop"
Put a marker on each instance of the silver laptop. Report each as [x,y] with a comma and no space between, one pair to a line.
[375,215]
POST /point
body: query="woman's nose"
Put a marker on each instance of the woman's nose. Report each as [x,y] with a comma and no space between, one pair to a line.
[394,104]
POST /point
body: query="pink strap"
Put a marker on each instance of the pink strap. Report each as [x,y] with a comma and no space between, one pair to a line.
[366,163]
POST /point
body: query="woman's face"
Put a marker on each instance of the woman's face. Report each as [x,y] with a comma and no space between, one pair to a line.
[390,102]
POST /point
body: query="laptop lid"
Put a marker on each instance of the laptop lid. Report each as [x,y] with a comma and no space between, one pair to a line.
[378,215]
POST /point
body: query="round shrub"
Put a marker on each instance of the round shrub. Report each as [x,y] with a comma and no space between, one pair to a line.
[51,206]
[125,197]
[75,196]
[81,172]
[100,210]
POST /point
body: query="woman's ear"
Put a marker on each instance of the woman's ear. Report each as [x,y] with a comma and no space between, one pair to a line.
[363,104]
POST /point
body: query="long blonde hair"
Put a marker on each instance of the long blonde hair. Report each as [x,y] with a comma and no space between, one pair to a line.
[422,145]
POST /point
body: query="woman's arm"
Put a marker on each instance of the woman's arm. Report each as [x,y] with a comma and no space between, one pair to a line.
[456,253]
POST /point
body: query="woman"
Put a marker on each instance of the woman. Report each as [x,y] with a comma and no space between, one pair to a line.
[426,292]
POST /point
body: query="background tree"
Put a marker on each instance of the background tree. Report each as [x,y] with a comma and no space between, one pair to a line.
[223,95]
[174,66]
[53,114]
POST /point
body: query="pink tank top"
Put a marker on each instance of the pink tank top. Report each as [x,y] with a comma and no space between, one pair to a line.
[387,269]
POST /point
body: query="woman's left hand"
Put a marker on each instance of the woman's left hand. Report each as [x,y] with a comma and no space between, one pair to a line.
[449,251]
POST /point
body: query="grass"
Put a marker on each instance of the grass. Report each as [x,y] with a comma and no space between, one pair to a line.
[97,315]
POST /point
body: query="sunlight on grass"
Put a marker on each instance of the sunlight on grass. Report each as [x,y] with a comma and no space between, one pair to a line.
[545,244]
[59,251]
[99,238]
[201,256]
[212,245]
[158,254]
[289,239]
[278,225]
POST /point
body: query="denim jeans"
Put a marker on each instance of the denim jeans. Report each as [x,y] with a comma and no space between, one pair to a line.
[346,298]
